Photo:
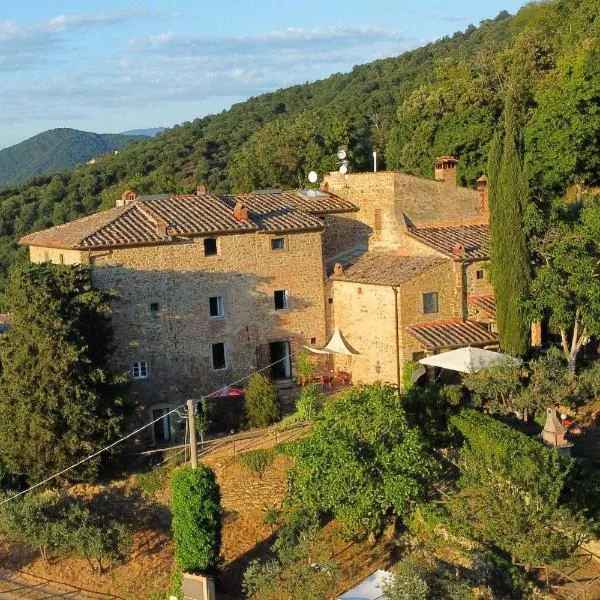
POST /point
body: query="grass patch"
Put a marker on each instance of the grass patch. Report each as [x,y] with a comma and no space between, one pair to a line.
[153,481]
[258,460]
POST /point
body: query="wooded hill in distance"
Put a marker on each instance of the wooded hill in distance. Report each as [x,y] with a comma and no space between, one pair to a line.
[443,98]
[56,150]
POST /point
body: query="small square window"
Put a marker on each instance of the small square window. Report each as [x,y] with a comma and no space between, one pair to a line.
[140,370]
[313,341]
[430,302]
[216,306]
[154,306]
[330,300]
[479,274]
[278,243]
[280,298]
[218,356]
[210,246]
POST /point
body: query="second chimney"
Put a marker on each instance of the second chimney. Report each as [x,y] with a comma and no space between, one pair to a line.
[240,212]
[445,169]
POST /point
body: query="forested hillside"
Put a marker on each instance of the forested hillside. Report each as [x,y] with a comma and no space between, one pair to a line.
[56,150]
[443,98]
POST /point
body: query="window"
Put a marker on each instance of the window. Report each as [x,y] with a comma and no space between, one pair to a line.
[330,300]
[278,243]
[313,341]
[430,302]
[479,274]
[210,246]
[216,306]
[218,356]
[280,298]
[154,306]
[140,370]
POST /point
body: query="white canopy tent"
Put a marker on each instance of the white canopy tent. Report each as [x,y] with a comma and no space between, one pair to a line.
[336,345]
[468,360]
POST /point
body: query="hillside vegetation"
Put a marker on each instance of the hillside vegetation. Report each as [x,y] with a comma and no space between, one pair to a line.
[57,150]
[443,98]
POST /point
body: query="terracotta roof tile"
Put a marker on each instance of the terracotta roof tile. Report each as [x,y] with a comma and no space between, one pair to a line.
[451,334]
[388,268]
[486,303]
[159,218]
[474,240]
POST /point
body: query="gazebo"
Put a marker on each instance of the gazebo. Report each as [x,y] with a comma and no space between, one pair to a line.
[468,360]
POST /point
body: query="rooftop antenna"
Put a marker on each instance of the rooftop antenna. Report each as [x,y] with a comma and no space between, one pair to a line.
[313,177]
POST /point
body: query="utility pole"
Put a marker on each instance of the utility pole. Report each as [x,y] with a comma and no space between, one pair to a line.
[192,428]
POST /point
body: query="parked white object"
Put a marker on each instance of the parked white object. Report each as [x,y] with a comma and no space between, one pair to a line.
[468,360]
[369,588]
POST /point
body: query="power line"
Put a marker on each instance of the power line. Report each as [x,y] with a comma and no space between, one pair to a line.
[140,429]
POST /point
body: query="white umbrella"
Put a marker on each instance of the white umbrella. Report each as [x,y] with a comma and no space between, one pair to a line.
[468,360]
[336,345]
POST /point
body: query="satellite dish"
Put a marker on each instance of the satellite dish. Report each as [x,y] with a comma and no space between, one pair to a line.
[312,177]
[341,154]
[343,169]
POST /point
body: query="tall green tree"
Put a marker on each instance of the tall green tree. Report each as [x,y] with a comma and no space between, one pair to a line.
[58,402]
[565,288]
[511,269]
[363,462]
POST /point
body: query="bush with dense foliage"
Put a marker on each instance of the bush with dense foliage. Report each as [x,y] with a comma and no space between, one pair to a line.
[362,462]
[196,507]
[299,564]
[58,400]
[510,492]
[57,523]
[261,401]
[417,577]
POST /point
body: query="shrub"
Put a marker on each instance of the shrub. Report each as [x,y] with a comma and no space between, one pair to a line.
[306,369]
[309,402]
[56,522]
[152,481]
[262,401]
[196,506]
[271,516]
[258,460]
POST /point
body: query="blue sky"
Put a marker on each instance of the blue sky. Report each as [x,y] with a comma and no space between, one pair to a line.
[119,64]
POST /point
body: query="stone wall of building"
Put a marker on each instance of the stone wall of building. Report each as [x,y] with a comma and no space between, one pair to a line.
[478,286]
[365,316]
[162,315]
[446,280]
[57,256]
[343,233]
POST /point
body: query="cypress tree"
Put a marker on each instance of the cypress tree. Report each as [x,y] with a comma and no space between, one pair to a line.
[511,267]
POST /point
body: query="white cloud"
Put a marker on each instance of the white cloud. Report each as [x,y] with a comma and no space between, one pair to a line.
[22,47]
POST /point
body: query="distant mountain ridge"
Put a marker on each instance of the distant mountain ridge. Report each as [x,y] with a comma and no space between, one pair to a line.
[57,150]
[149,132]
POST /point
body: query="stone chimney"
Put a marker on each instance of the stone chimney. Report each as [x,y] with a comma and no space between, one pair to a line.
[201,190]
[127,198]
[445,169]
[481,185]
[240,212]
[161,228]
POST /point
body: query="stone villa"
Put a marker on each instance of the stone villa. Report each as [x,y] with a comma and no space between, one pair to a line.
[214,287]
